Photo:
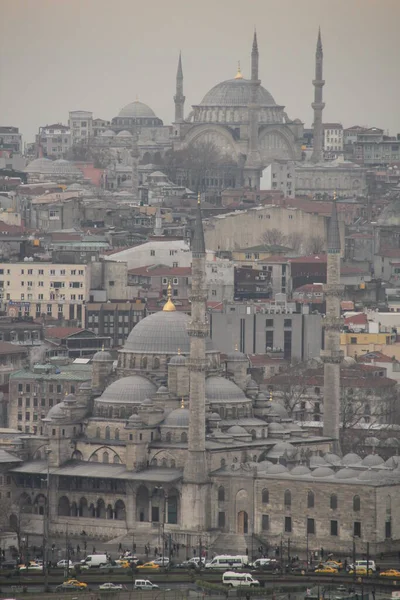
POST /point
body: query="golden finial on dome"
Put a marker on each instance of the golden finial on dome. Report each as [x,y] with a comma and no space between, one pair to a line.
[199,198]
[239,72]
[270,395]
[179,351]
[182,403]
[236,348]
[102,347]
[169,306]
[334,195]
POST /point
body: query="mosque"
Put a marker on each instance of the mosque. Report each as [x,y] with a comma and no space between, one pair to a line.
[175,441]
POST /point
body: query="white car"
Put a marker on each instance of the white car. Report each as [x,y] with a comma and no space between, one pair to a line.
[162,561]
[63,564]
[34,567]
[111,587]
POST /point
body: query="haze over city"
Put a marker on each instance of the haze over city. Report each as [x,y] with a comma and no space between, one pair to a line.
[99,55]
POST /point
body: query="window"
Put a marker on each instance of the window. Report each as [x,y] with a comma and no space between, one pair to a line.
[221,494]
[269,322]
[287,322]
[269,339]
[356,504]
[288,524]
[152,252]
[288,498]
[107,433]
[49,309]
[265,522]
[310,499]
[353,340]
[357,528]
[334,528]
[334,502]
[310,526]
[221,519]
[265,496]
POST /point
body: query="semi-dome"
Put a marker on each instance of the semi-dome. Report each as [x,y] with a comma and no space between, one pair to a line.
[236,92]
[177,418]
[164,332]
[372,460]
[219,389]
[128,390]
[136,109]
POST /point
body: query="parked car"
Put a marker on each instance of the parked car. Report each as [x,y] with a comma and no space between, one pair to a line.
[111,587]
[63,564]
[145,584]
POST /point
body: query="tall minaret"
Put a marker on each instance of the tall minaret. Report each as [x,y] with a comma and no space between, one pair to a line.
[318,105]
[135,165]
[332,355]
[252,169]
[179,98]
[195,474]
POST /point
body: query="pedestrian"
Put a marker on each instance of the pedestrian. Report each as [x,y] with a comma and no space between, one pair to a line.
[94,550]
[85,545]
[120,547]
[155,552]
[322,553]
[78,549]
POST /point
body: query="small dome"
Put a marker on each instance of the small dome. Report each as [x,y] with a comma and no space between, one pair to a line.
[124,134]
[56,412]
[276,409]
[102,356]
[70,399]
[370,475]
[372,460]
[62,167]
[275,427]
[391,442]
[252,385]
[346,473]
[280,449]
[332,459]
[348,360]
[127,390]
[108,133]
[236,430]
[351,459]
[393,462]
[317,461]
[214,417]
[300,470]
[277,469]
[322,472]
[178,359]
[236,356]
[147,402]
[219,390]
[134,418]
[162,390]
[136,109]
[177,418]
[371,441]
[40,166]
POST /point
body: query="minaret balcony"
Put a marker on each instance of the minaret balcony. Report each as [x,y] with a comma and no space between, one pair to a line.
[198,329]
[332,356]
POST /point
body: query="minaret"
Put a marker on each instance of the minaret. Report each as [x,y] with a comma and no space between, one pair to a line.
[135,165]
[331,355]
[252,168]
[318,105]
[158,229]
[179,98]
[195,474]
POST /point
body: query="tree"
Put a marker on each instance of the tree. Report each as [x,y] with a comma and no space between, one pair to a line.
[291,387]
[316,244]
[274,237]
[295,241]
[14,517]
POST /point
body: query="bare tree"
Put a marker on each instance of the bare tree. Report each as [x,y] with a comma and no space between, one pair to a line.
[316,244]
[291,388]
[295,240]
[273,237]
[14,517]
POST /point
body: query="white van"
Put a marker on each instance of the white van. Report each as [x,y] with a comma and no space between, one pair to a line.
[95,560]
[233,579]
[363,565]
[226,561]
[145,584]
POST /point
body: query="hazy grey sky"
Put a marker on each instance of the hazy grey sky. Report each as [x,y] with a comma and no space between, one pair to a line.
[98,55]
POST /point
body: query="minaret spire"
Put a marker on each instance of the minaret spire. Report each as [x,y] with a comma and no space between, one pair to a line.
[253,166]
[318,105]
[135,165]
[254,58]
[331,355]
[179,98]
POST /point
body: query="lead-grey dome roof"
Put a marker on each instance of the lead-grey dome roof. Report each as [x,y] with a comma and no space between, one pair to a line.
[219,389]
[372,460]
[136,109]
[102,356]
[177,418]
[236,92]
[39,165]
[56,412]
[162,333]
[128,390]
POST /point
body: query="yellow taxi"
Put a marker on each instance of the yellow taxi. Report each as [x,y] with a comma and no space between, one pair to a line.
[337,564]
[326,569]
[390,573]
[361,571]
[148,565]
[125,564]
[76,583]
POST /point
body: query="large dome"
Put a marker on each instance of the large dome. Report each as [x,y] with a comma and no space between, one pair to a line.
[136,109]
[219,389]
[236,92]
[128,390]
[162,333]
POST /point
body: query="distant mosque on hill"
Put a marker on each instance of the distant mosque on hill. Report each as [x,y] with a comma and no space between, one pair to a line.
[178,441]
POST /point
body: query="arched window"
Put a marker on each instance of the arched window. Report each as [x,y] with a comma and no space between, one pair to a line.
[94,458]
[98,432]
[144,362]
[164,462]
[168,437]
[356,504]
[107,433]
[334,502]
[184,437]
[133,361]
[265,496]
[106,457]
[153,462]
[388,505]
[253,434]
[288,498]
[156,363]
[221,494]
[223,463]
[173,464]
[310,499]
[116,459]
[122,412]
[116,434]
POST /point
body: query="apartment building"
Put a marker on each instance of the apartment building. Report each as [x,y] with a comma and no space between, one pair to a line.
[37,288]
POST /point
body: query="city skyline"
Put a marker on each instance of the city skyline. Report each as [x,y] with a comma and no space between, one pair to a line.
[100,64]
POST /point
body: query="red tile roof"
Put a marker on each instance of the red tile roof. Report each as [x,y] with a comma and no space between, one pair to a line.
[359,319]
[320,258]
[376,357]
[61,332]
[6,348]
[13,229]
[279,258]
[310,287]
[390,252]
[157,270]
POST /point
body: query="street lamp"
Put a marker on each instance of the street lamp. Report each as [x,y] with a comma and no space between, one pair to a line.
[307,544]
[160,488]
